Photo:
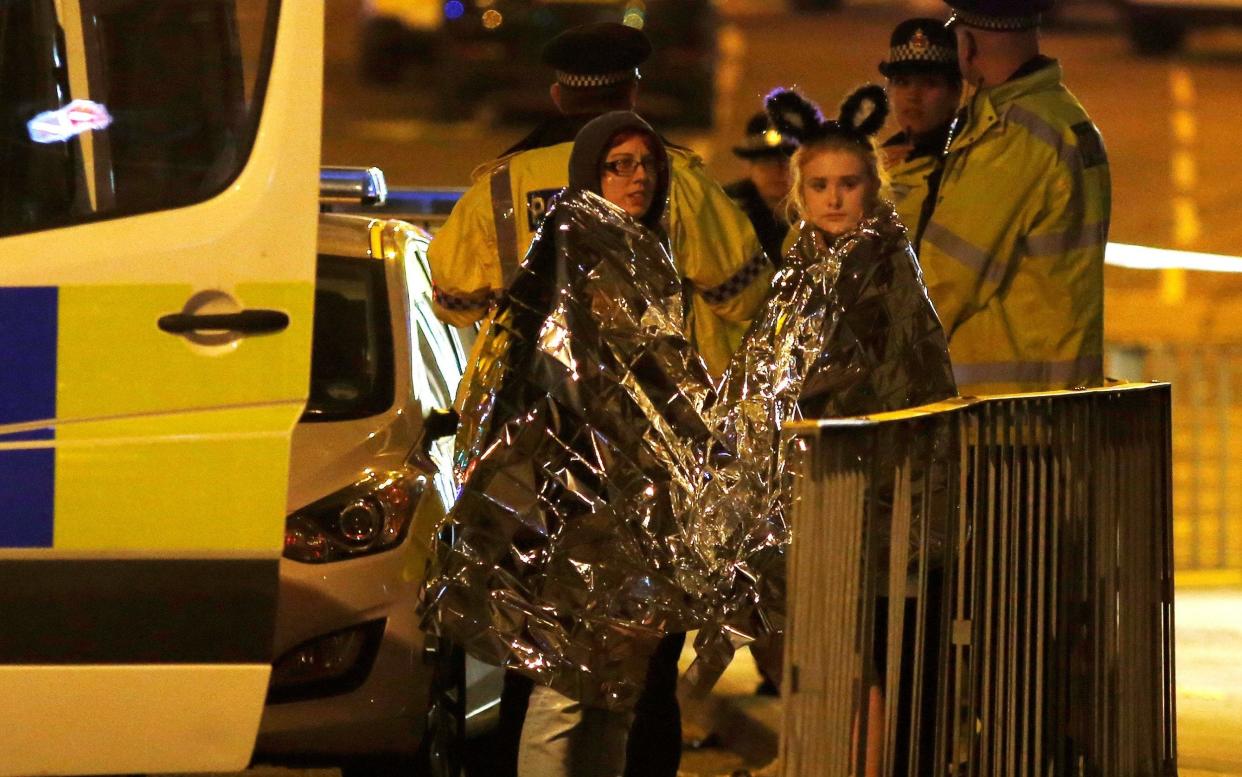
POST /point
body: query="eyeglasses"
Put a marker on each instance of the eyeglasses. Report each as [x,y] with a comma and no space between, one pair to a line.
[626,166]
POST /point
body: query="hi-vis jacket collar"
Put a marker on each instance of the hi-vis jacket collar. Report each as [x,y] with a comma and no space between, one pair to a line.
[987,106]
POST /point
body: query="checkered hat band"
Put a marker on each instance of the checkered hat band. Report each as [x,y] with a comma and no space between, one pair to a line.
[939,55]
[737,284]
[1001,23]
[479,300]
[587,80]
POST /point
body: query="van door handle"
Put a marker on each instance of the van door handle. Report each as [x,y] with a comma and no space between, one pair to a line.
[251,322]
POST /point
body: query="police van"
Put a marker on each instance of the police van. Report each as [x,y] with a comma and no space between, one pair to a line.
[163,478]
[158,209]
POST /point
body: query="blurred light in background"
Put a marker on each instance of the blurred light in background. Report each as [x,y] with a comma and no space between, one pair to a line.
[454,9]
[493,19]
[635,15]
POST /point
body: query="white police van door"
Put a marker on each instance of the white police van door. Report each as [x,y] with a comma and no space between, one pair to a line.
[158,185]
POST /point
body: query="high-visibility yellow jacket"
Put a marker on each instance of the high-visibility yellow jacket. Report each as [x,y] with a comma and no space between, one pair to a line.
[476,252]
[907,179]
[907,188]
[1013,255]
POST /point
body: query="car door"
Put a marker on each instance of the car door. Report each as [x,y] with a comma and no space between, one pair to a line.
[157,249]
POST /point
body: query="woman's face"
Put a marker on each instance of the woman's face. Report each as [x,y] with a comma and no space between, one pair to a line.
[836,190]
[628,177]
[923,101]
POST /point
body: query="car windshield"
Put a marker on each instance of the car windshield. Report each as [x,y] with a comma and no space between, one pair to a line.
[116,107]
[352,350]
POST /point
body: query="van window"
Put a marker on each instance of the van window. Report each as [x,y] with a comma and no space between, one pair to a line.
[116,107]
[352,350]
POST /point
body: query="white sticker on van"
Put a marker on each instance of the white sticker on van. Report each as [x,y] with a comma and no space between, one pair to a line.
[68,122]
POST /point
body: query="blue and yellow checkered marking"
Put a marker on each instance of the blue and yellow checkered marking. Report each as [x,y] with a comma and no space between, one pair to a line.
[28,339]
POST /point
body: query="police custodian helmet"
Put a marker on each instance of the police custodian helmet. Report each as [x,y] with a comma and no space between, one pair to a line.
[921,46]
[1000,15]
[600,54]
[764,140]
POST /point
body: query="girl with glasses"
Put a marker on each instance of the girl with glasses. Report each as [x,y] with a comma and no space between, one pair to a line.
[565,561]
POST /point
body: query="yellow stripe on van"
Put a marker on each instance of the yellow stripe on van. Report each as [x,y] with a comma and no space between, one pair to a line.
[130,474]
[161,482]
[108,336]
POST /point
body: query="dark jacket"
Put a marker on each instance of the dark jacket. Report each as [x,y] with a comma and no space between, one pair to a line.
[769,226]
[930,144]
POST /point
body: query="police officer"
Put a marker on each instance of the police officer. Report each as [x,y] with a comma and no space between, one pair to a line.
[924,86]
[475,254]
[1013,249]
[761,194]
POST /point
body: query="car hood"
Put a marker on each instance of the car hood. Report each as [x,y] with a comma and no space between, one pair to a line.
[327,456]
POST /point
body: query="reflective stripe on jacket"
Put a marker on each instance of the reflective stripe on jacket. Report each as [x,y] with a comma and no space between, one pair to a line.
[479,247]
[907,188]
[1014,252]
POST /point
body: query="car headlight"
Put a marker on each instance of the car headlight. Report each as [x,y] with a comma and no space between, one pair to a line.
[367,517]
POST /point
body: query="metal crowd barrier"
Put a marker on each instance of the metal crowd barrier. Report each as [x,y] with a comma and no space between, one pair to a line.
[984,588]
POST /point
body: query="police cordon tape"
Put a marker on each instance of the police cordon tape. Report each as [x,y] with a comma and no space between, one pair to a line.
[1148,258]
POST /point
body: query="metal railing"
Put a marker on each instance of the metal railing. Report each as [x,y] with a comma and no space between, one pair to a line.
[1207,444]
[984,588]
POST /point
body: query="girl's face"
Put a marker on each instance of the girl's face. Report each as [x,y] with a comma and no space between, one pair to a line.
[836,189]
[628,177]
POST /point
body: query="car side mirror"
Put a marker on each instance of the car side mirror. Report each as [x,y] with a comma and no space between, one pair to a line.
[438,424]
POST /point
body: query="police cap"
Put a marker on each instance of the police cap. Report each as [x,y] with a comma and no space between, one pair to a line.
[1000,15]
[764,140]
[921,46]
[600,54]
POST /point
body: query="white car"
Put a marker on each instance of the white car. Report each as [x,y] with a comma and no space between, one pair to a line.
[354,676]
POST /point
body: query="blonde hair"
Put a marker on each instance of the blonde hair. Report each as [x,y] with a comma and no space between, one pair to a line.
[795,205]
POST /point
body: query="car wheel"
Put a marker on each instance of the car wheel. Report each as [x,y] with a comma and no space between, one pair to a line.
[381,51]
[441,751]
[1156,35]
